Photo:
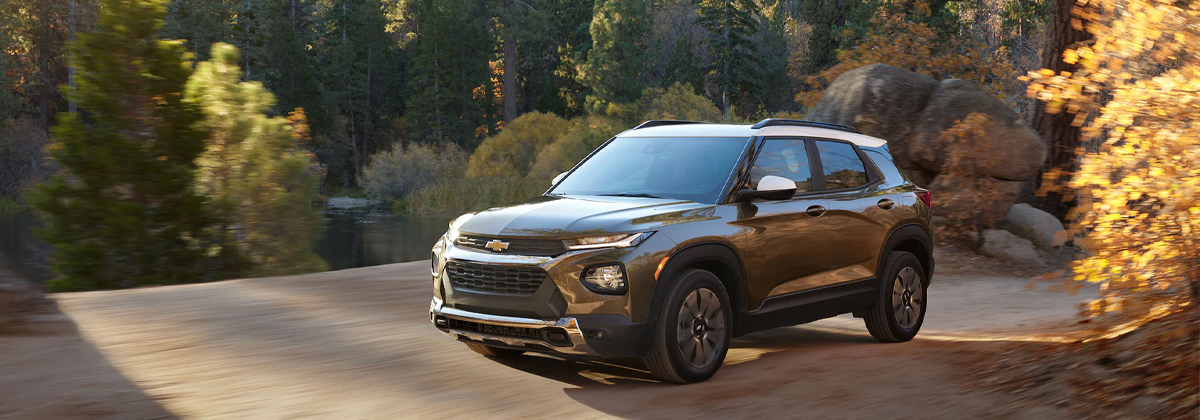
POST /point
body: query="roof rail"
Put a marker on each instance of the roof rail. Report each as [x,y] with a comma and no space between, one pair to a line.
[802,123]
[657,123]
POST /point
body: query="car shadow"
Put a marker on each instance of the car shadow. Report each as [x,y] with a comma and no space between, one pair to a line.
[624,373]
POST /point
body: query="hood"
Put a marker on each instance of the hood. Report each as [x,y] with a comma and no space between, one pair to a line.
[562,216]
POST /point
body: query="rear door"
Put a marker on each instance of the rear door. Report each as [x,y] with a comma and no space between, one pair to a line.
[786,242]
[860,210]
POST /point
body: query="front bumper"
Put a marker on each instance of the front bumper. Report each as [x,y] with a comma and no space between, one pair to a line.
[495,330]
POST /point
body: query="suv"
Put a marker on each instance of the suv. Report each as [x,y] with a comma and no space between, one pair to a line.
[674,237]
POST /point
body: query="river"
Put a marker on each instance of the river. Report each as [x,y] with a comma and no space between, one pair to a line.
[349,238]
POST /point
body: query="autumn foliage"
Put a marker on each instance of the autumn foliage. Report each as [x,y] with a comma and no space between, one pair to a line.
[1138,213]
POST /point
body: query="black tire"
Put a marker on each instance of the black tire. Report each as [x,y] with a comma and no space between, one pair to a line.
[881,318]
[496,352]
[666,359]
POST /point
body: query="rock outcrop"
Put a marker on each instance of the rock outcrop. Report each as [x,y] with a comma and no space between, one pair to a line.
[911,111]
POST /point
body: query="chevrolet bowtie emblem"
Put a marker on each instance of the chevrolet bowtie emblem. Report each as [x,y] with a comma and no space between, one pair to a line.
[496,245]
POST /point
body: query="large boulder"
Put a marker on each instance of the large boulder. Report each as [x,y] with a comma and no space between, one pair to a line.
[911,111]
[1014,152]
[880,100]
[1037,226]
[1004,246]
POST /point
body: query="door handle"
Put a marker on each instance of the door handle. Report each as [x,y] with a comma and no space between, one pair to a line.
[815,211]
[886,204]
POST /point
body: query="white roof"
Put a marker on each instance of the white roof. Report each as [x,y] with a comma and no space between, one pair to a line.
[732,130]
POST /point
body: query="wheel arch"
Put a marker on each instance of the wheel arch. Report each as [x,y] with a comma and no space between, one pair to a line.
[715,257]
[914,239]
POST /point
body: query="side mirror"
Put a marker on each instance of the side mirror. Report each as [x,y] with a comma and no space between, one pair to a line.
[557,178]
[770,187]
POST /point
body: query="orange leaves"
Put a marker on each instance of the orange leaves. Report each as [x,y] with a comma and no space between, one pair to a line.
[1136,89]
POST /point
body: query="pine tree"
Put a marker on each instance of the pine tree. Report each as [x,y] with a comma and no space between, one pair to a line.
[830,20]
[618,59]
[684,66]
[733,26]
[123,212]
[259,184]
[449,92]
[778,89]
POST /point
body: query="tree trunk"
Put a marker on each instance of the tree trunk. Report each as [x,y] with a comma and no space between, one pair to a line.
[1061,135]
[71,61]
[725,79]
[510,73]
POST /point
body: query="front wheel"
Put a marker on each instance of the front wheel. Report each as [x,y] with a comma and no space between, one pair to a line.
[899,310]
[693,330]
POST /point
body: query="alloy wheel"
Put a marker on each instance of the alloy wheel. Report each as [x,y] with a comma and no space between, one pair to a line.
[907,297]
[701,328]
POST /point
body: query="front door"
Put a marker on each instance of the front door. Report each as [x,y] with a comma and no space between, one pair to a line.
[786,244]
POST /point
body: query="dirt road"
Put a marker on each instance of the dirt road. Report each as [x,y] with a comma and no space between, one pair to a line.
[357,344]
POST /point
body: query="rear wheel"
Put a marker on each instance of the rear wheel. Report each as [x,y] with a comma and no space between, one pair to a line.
[693,330]
[490,351]
[899,310]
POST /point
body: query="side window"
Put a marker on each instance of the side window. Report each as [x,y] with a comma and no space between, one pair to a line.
[891,173]
[843,168]
[783,158]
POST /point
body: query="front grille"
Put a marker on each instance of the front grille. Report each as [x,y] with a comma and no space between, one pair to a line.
[516,246]
[500,330]
[495,278]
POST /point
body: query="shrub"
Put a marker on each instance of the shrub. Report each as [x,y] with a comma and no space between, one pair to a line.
[511,152]
[459,195]
[678,102]
[585,135]
[401,171]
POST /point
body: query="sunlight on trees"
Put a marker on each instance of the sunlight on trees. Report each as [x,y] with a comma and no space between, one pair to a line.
[259,184]
[122,213]
[1137,95]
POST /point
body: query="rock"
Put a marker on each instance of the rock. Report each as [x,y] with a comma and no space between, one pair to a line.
[959,198]
[1014,152]
[880,100]
[1003,245]
[349,203]
[1033,224]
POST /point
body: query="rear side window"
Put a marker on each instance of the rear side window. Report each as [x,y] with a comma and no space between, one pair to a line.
[891,174]
[783,158]
[843,168]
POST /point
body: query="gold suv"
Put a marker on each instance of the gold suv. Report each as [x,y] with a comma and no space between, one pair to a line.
[674,237]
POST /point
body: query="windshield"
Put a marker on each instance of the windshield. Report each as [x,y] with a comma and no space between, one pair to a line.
[692,169]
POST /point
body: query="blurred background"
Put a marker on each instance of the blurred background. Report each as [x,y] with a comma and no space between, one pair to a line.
[148,143]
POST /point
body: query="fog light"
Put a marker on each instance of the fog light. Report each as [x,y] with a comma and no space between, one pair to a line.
[607,279]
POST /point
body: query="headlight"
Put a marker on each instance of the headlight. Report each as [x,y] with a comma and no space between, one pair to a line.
[624,240]
[607,279]
[452,232]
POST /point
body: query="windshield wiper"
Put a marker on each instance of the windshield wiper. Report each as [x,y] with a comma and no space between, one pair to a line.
[625,194]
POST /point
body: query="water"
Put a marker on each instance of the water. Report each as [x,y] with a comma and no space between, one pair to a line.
[349,239]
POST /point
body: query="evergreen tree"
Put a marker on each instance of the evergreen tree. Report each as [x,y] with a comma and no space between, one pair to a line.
[123,212]
[618,60]
[732,27]
[450,96]
[778,89]
[684,67]
[830,20]
[550,70]
[259,185]
[201,23]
